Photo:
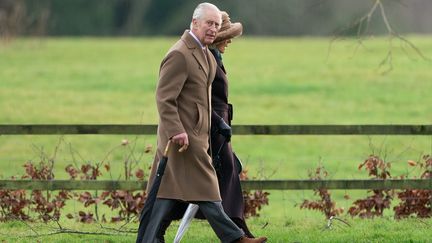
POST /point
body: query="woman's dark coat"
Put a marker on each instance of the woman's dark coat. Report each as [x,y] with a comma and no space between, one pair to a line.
[229,181]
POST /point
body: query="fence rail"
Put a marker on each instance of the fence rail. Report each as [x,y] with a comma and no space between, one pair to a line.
[247,185]
[51,129]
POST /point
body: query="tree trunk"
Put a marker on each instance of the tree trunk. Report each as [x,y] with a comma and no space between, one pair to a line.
[135,20]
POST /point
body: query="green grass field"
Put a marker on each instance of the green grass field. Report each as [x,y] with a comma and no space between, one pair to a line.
[272,81]
[288,230]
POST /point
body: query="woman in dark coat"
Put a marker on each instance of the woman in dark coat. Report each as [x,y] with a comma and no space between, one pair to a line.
[226,166]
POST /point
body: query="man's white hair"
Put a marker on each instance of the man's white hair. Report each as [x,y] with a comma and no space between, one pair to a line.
[199,10]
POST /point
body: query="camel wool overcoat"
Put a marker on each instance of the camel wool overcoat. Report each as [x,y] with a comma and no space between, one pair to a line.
[183,98]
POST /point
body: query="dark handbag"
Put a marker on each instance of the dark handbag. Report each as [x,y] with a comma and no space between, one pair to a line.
[217,161]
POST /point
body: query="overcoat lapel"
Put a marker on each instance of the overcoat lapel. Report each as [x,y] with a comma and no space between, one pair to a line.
[196,52]
[212,67]
[199,56]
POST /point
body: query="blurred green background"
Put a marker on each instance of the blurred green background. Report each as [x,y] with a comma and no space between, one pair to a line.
[96,62]
[166,17]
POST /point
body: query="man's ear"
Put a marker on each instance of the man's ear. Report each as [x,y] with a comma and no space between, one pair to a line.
[194,23]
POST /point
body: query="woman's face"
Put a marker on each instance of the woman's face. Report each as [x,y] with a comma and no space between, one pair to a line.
[222,45]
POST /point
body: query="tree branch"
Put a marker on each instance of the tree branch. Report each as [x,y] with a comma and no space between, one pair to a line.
[62,230]
[363,24]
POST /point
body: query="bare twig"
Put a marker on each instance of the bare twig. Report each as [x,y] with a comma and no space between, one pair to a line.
[263,174]
[363,24]
[120,230]
[422,221]
[62,230]
[58,224]
[109,153]
[330,222]
[73,151]
[364,20]
[31,228]
[127,222]
[54,156]
[68,231]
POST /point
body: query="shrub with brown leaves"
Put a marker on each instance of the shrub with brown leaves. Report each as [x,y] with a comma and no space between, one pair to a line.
[374,204]
[127,203]
[325,204]
[48,206]
[13,204]
[253,201]
[416,202]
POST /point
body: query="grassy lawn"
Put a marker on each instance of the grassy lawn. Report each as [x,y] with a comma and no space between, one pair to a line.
[272,81]
[289,230]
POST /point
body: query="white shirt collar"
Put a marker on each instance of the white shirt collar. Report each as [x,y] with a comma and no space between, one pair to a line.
[194,36]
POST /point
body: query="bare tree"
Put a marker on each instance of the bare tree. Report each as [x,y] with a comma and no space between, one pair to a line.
[134,21]
[15,19]
[11,18]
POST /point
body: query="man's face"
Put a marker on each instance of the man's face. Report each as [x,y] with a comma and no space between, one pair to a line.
[207,27]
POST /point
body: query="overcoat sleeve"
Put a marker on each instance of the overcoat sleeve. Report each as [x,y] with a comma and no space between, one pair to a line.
[173,74]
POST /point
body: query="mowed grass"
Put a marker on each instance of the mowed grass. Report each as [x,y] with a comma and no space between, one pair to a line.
[380,230]
[272,81]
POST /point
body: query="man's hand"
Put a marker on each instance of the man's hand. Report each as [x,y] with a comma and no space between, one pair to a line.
[182,140]
[224,129]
